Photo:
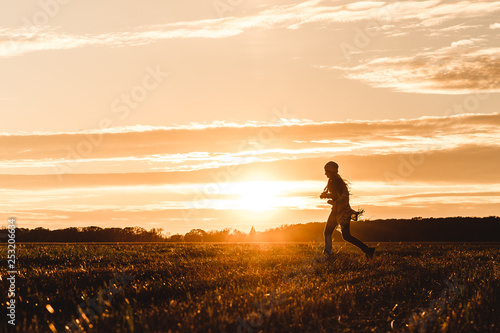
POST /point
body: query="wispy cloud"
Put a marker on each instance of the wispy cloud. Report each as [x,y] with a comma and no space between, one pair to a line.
[16,41]
[461,68]
[167,155]
[467,65]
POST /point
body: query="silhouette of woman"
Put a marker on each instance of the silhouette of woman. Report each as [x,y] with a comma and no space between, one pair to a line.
[336,190]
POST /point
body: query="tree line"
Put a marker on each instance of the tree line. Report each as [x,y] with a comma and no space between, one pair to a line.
[451,229]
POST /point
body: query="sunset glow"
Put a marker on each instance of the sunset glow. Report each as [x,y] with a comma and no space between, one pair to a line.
[257,196]
[189,116]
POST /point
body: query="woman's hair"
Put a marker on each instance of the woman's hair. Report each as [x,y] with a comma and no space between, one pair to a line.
[346,182]
[332,166]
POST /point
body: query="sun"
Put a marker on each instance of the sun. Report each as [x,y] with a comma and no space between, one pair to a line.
[257,196]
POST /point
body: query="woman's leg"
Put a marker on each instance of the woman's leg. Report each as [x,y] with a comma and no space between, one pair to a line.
[346,234]
[331,223]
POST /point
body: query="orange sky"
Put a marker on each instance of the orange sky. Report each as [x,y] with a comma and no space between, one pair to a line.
[192,114]
[229,175]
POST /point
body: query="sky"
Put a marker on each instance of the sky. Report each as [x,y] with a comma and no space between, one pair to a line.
[222,113]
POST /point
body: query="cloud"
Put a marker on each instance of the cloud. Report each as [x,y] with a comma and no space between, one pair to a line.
[16,41]
[454,182]
[495,26]
[451,70]
[217,137]
[183,155]
[154,176]
[443,11]
[462,42]
[149,176]
[46,39]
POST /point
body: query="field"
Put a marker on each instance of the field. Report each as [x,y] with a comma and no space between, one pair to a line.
[248,287]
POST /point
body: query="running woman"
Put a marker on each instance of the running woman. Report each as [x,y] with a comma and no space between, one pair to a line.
[336,190]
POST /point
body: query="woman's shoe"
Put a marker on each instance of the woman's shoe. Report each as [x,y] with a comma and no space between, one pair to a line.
[369,253]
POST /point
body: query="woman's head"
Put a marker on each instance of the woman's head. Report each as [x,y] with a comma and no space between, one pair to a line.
[331,168]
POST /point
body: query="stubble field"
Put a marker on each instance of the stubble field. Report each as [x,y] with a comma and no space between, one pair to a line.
[255,287]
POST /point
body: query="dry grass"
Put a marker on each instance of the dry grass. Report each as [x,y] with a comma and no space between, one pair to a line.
[257,287]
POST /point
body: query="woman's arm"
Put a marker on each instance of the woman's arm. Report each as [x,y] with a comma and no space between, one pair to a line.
[326,195]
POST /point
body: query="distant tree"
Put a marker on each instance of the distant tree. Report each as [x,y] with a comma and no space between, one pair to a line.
[252,234]
[154,235]
[195,235]
[462,229]
[238,236]
[92,229]
[217,236]
[176,238]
